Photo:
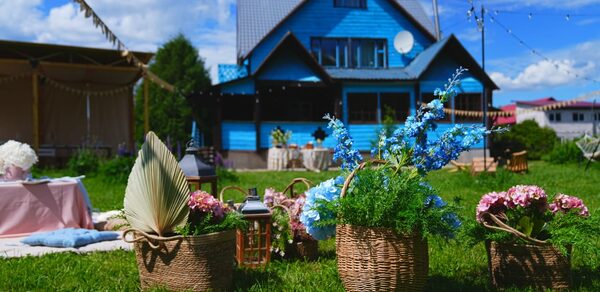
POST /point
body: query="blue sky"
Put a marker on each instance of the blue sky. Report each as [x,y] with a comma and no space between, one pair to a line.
[572,45]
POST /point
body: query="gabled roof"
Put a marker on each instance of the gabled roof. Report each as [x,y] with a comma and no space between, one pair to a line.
[258,18]
[454,48]
[551,100]
[291,42]
[509,120]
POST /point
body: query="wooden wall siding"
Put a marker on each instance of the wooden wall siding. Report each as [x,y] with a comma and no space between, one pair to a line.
[301,132]
[288,66]
[375,88]
[442,69]
[242,86]
[318,18]
[238,135]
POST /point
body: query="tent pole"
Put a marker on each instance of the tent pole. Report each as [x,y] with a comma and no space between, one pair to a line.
[146,112]
[36,111]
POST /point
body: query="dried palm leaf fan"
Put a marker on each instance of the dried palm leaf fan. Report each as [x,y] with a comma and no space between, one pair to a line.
[157,191]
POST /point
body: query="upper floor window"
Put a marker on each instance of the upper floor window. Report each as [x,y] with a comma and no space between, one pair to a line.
[554,117]
[350,53]
[578,117]
[350,3]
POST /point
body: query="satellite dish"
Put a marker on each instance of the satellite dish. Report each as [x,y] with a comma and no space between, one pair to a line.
[404,42]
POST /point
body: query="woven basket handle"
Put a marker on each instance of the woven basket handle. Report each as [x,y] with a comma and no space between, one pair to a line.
[285,209]
[295,181]
[503,227]
[353,173]
[148,237]
[231,188]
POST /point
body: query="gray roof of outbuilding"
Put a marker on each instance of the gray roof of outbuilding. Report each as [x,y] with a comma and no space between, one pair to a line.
[257,18]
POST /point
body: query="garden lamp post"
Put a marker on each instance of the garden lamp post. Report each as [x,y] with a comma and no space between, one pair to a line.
[196,171]
[253,245]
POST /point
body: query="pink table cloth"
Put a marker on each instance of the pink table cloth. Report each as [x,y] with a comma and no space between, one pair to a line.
[25,209]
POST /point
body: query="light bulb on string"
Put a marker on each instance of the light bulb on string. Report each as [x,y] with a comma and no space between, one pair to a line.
[530,16]
[568,17]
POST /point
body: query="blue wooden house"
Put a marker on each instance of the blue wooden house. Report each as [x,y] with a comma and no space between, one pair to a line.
[300,59]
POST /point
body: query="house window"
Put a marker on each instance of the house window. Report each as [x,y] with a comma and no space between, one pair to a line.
[427,98]
[362,108]
[399,102]
[578,117]
[554,117]
[350,3]
[467,102]
[597,117]
[350,53]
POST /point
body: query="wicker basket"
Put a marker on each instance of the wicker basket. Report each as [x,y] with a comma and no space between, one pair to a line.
[536,264]
[522,265]
[379,259]
[196,263]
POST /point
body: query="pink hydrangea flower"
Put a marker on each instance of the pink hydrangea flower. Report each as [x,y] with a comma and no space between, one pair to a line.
[564,203]
[491,202]
[525,195]
[273,198]
[206,203]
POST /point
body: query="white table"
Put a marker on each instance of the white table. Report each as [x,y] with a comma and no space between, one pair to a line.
[316,159]
[278,158]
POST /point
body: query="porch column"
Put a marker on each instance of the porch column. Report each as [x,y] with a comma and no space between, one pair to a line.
[257,121]
[345,109]
[36,110]
[131,121]
[416,101]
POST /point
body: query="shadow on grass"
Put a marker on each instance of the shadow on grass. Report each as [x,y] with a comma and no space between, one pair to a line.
[246,278]
[443,283]
[585,277]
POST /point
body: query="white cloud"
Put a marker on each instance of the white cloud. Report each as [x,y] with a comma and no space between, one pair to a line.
[142,24]
[544,74]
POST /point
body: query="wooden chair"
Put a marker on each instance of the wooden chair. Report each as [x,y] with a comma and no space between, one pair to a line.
[478,166]
[458,166]
[518,162]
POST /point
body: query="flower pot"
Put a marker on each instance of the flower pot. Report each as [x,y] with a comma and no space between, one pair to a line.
[13,172]
[196,263]
[379,259]
[523,265]
[308,249]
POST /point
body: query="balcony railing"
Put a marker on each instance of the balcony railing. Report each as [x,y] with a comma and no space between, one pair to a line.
[229,72]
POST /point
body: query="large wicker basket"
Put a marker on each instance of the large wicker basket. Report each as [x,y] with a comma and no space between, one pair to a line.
[379,259]
[535,264]
[196,263]
[523,265]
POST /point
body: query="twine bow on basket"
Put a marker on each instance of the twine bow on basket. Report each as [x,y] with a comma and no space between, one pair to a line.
[504,227]
[155,242]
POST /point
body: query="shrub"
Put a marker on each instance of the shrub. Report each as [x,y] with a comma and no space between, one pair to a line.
[564,152]
[117,169]
[84,162]
[527,135]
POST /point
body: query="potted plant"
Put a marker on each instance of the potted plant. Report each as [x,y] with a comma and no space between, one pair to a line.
[289,236]
[280,137]
[182,241]
[16,160]
[529,236]
[382,211]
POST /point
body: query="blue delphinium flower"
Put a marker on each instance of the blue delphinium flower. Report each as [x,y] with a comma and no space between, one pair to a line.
[312,212]
[343,150]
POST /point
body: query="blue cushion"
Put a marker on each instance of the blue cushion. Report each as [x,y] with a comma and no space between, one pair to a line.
[69,237]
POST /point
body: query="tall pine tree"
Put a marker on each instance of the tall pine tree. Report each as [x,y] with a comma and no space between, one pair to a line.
[171,114]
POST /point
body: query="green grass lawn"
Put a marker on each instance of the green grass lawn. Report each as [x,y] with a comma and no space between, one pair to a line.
[453,266]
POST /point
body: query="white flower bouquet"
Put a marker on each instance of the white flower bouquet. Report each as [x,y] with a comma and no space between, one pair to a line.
[17,154]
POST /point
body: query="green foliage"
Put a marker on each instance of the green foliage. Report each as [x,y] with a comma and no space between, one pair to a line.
[206,225]
[400,203]
[279,137]
[117,169]
[281,233]
[527,135]
[178,63]
[84,162]
[564,152]
[582,233]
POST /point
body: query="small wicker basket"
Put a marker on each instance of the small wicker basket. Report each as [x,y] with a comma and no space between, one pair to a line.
[196,263]
[379,259]
[536,263]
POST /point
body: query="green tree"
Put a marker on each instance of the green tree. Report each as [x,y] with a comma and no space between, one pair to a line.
[171,114]
[527,135]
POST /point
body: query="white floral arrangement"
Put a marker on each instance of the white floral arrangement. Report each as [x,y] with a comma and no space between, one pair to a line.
[17,154]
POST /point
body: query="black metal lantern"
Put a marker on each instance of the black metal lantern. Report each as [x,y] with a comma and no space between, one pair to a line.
[196,171]
[253,244]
